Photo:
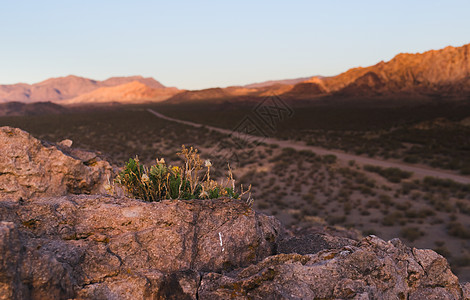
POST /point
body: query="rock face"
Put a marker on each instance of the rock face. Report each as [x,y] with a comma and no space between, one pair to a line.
[373,269]
[31,168]
[95,243]
[57,245]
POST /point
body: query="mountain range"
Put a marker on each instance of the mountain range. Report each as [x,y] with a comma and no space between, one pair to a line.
[442,74]
[62,89]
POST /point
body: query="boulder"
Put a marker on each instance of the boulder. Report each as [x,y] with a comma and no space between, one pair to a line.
[31,168]
[373,269]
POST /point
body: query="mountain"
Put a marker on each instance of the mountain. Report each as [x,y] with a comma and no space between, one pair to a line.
[198,95]
[36,108]
[61,88]
[134,91]
[443,73]
[276,82]
[150,82]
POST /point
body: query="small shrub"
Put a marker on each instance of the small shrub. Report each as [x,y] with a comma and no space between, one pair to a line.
[329,159]
[393,175]
[463,207]
[411,233]
[442,250]
[333,220]
[190,181]
[386,200]
[373,204]
[462,261]
[391,219]
[456,229]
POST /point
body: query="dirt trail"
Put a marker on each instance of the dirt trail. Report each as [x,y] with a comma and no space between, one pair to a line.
[419,171]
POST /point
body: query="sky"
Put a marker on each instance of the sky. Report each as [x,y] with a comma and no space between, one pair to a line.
[201,44]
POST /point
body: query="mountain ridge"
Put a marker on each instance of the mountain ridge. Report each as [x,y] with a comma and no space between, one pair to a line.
[442,73]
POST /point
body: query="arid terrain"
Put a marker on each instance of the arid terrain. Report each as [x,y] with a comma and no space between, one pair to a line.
[300,187]
[380,150]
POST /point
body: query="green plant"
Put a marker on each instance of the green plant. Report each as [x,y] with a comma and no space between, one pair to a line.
[190,181]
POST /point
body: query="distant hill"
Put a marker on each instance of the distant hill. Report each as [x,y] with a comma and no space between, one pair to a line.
[131,92]
[198,95]
[37,108]
[62,88]
[148,81]
[276,82]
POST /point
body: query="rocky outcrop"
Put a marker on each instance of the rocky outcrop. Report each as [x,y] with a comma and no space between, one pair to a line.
[98,244]
[31,168]
[113,247]
[102,247]
[373,269]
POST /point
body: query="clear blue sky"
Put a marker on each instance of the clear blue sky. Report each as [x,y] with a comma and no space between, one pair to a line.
[200,44]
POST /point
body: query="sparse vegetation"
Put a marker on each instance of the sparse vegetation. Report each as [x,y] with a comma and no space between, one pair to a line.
[411,233]
[162,181]
[394,175]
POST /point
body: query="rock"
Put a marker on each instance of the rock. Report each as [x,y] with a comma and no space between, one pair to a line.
[28,273]
[314,239]
[90,246]
[30,168]
[373,269]
[466,291]
[10,278]
[312,243]
[147,285]
[103,247]
[66,143]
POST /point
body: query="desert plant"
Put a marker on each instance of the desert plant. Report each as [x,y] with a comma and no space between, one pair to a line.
[411,233]
[190,181]
[393,175]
